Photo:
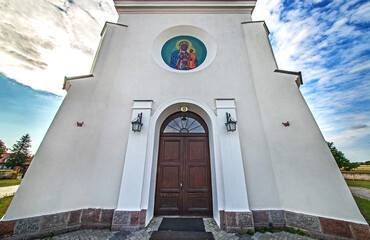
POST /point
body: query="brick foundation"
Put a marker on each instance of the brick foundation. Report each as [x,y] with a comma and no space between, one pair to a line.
[236,221]
[318,227]
[128,220]
[53,224]
[46,225]
[269,218]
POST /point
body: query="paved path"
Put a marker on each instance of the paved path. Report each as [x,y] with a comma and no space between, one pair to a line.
[279,236]
[145,233]
[139,235]
[8,191]
[361,192]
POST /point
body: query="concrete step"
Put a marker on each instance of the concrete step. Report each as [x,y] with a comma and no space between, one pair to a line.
[177,235]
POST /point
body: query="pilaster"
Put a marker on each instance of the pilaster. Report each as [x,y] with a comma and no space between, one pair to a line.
[235,191]
[129,200]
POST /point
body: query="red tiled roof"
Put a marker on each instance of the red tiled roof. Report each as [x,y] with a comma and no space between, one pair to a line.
[3,157]
[28,161]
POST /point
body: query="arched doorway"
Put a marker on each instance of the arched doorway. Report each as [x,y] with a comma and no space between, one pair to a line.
[183,173]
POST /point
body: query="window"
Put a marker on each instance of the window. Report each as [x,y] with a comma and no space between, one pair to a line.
[184,122]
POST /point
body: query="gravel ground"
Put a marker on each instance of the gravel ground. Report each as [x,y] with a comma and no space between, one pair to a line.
[279,236]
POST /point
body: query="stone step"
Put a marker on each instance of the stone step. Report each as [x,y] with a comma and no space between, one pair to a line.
[177,235]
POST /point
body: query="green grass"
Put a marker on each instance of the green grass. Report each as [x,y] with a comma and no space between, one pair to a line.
[362,168]
[354,183]
[364,206]
[4,204]
[9,182]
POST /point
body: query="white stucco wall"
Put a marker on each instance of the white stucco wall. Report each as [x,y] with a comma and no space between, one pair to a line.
[284,168]
[307,177]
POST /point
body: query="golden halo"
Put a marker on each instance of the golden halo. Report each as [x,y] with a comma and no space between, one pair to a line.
[193,50]
[178,47]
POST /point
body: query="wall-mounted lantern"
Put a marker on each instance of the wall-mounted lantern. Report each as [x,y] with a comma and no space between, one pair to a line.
[230,123]
[137,123]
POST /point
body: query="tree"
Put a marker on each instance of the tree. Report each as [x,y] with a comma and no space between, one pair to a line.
[341,159]
[2,147]
[20,152]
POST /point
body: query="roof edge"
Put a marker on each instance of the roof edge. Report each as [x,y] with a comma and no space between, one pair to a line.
[67,85]
[106,23]
[261,21]
[299,80]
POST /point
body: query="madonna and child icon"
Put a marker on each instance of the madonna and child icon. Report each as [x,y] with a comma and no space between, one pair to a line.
[184,53]
[181,59]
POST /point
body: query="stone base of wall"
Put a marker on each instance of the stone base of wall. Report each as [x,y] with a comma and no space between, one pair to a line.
[128,220]
[53,224]
[236,221]
[318,227]
[269,218]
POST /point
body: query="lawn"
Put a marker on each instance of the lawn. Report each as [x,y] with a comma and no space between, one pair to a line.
[362,168]
[9,182]
[364,206]
[363,184]
[4,204]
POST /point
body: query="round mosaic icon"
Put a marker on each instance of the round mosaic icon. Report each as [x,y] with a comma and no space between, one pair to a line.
[184,52]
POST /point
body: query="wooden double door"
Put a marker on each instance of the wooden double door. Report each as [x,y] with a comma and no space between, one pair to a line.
[183,176]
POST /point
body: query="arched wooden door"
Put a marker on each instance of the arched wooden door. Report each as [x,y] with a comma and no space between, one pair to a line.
[183,174]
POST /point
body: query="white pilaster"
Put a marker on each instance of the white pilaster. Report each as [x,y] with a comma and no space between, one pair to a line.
[133,170]
[235,190]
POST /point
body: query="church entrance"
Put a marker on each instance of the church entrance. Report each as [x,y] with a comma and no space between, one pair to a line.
[184,177]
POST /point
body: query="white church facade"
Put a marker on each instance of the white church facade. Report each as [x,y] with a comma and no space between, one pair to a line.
[186,113]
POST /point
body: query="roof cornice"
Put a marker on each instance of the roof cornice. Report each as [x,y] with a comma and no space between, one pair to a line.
[179,6]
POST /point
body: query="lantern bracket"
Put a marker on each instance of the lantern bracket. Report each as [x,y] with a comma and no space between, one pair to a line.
[230,123]
[137,123]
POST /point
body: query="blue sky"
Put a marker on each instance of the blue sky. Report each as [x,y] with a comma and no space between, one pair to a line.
[43,41]
[25,110]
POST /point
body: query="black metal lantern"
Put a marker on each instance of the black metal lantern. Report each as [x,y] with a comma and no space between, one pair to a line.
[230,123]
[137,123]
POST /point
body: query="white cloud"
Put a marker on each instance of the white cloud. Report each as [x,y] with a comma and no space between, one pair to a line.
[43,41]
[332,52]
[361,14]
[360,67]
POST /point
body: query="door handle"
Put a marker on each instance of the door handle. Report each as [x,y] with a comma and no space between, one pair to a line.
[181,185]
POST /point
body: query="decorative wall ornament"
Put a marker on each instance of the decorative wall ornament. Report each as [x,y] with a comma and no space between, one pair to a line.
[184,53]
[79,124]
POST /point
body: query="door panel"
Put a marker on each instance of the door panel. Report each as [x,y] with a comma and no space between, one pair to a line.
[197,179]
[198,195]
[171,150]
[170,178]
[183,177]
[196,150]
[169,197]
